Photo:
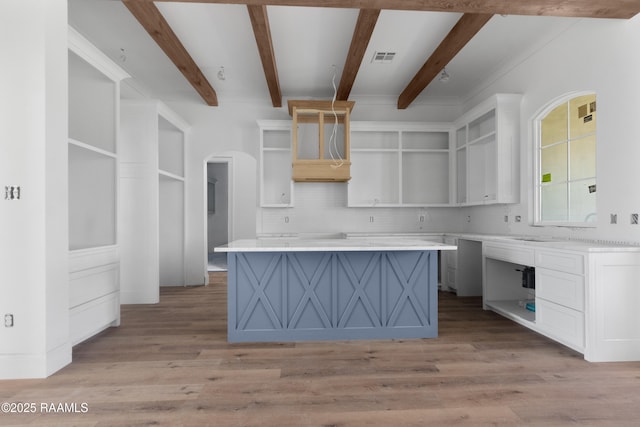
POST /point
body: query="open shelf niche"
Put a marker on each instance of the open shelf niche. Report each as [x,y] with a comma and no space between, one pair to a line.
[152,208]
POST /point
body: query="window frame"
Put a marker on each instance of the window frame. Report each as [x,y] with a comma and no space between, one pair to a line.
[537,164]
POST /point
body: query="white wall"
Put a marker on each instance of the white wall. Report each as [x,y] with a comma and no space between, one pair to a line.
[583,57]
[592,55]
[33,155]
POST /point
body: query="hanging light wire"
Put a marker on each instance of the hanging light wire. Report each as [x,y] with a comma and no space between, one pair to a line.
[333,143]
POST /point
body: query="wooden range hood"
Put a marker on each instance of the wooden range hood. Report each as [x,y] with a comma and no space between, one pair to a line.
[319,154]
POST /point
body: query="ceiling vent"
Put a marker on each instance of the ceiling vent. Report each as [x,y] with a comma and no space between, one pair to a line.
[383,57]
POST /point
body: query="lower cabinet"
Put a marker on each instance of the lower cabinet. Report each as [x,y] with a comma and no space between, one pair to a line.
[560,303]
[94,291]
[465,281]
[560,323]
[583,296]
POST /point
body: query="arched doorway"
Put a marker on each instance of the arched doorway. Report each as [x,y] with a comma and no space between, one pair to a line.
[230,180]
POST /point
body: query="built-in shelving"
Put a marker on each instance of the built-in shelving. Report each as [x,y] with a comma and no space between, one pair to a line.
[276,185]
[513,310]
[171,189]
[152,209]
[93,150]
[400,164]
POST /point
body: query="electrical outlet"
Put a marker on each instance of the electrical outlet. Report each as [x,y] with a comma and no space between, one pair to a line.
[8,320]
[506,218]
[12,192]
[421,219]
[286,220]
[371,219]
[634,218]
[613,218]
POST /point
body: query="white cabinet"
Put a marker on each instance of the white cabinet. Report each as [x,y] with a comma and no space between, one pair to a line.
[400,164]
[463,267]
[560,287]
[558,296]
[171,202]
[486,150]
[94,259]
[151,211]
[585,297]
[612,296]
[276,185]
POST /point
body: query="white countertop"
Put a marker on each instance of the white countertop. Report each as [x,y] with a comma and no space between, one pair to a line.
[424,237]
[332,245]
[550,243]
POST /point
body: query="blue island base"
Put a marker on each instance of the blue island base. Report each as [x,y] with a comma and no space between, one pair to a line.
[342,295]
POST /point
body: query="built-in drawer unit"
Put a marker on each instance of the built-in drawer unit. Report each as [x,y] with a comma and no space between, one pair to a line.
[561,288]
[560,261]
[561,323]
[560,296]
[510,253]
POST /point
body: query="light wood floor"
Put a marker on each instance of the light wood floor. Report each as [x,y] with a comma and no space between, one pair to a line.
[170,364]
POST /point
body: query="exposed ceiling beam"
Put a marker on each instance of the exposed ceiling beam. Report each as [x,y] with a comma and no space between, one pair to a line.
[464,30]
[152,20]
[260,24]
[367,19]
[622,9]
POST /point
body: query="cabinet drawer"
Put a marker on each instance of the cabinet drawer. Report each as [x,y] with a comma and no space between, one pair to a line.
[560,323]
[510,253]
[560,261]
[560,288]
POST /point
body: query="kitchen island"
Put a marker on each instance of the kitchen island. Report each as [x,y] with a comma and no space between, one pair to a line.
[332,289]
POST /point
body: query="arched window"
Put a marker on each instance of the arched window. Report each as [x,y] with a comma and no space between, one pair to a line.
[566,162]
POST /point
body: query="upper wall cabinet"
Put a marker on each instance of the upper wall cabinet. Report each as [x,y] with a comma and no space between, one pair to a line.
[400,164]
[487,152]
[276,185]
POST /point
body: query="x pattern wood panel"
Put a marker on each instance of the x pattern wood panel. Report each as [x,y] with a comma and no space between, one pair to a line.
[341,291]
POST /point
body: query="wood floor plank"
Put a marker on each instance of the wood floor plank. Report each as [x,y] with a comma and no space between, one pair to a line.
[170,364]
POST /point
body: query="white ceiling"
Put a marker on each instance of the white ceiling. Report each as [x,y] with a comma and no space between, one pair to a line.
[307,42]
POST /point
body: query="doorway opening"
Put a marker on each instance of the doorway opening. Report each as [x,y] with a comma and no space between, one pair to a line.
[217,213]
[233,210]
